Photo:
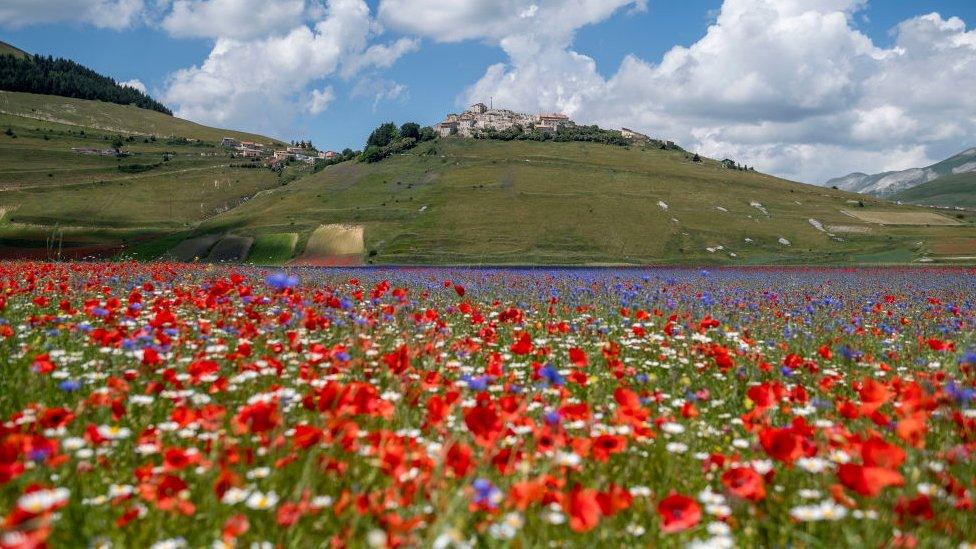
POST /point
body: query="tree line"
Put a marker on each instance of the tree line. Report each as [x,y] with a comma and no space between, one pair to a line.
[389,139]
[63,77]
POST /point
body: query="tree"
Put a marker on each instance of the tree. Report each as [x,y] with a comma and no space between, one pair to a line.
[373,154]
[118,143]
[410,129]
[383,135]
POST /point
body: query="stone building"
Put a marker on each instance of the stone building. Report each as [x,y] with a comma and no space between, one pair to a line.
[479,118]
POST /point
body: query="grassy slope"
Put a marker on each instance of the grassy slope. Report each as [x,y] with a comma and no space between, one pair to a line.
[109,117]
[561,203]
[950,191]
[7,49]
[49,193]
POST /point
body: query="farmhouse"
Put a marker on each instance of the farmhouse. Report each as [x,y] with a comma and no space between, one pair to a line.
[480,118]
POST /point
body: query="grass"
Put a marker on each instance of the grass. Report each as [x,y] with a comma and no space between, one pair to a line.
[161,191]
[484,202]
[272,249]
[109,117]
[958,190]
[445,202]
[7,49]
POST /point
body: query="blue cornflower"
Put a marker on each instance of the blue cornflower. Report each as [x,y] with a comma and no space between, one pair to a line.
[551,375]
[282,280]
[485,493]
[69,385]
[479,383]
[552,417]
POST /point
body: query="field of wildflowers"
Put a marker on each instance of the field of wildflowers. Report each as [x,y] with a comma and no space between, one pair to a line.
[167,405]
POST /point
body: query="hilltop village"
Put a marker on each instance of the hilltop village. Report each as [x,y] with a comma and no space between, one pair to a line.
[482,122]
[480,118]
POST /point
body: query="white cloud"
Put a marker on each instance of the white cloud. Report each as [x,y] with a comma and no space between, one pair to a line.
[135,84]
[790,86]
[112,14]
[379,90]
[261,84]
[240,19]
[320,100]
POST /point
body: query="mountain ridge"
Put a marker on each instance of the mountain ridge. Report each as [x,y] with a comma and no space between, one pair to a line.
[887,184]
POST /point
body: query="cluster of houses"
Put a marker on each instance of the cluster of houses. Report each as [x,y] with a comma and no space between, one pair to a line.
[479,118]
[272,157]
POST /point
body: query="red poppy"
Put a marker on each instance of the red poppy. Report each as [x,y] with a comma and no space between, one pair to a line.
[678,513]
[745,482]
[606,445]
[583,508]
[523,346]
[868,481]
[782,444]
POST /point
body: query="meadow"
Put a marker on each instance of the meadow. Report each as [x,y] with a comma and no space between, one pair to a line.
[171,405]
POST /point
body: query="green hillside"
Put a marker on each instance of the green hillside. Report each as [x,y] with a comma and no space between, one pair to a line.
[109,117]
[178,195]
[173,178]
[479,201]
[951,191]
[7,49]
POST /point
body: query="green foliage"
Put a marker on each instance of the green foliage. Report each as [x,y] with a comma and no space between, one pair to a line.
[138,168]
[383,135]
[590,134]
[410,129]
[372,153]
[118,142]
[50,76]
[387,139]
[427,134]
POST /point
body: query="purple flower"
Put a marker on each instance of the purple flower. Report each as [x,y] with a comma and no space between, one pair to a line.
[485,493]
[282,281]
[551,375]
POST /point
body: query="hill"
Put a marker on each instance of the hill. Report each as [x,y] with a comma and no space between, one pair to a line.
[889,183]
[108,117]
[7,49]
[951,191]
[173,177]
[22,72]
[463,201]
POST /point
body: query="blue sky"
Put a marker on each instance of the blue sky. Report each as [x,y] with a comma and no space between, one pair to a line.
[440,68]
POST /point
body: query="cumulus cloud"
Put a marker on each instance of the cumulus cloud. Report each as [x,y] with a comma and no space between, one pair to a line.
[260,84]
[240,19]
[135,84]
[790,86]
[319,100]
[112,14]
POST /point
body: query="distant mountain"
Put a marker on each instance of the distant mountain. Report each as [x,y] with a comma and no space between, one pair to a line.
[23,72]
[952,191]
[888,184]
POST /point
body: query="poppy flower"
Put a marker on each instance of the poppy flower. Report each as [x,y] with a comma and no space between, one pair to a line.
[868,481]
[745,483]
[678,513]
[583,509]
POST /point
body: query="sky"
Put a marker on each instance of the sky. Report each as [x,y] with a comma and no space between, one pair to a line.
[803,89]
